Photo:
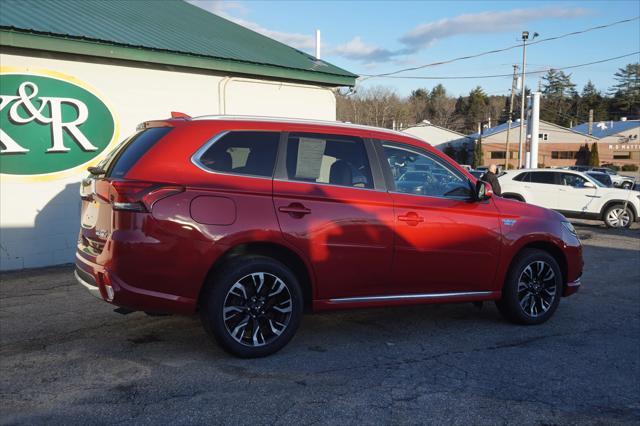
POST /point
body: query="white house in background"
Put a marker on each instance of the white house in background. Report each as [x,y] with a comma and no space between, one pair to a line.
[436,136]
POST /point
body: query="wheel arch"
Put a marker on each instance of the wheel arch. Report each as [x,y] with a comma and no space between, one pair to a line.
[276,251]
[550,248]
[613,203]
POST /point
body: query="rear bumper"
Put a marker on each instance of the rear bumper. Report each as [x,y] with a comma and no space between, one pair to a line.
[92,287]
[104,284]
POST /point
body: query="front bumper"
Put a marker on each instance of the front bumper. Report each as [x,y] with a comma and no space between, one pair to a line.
[572,287]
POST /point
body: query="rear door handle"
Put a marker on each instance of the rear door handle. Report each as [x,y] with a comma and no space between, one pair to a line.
[295,210]
[412,218]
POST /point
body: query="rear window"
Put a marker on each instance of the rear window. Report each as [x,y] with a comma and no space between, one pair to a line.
[245,153]
[522,177]
[128,154]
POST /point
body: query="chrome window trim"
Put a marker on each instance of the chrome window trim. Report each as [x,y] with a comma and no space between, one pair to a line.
[410,296]
[460,198]
[330,184]
[195,158]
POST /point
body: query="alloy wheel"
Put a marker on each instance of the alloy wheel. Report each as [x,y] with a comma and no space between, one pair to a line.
[537,288]
[618,217]
[257,309]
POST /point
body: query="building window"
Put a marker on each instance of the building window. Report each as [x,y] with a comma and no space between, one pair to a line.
[514,155]
[498,155]
[622,156]
[543,136]
[564,155]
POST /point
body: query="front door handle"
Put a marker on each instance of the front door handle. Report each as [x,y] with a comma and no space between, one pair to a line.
[296,210]
[412,218]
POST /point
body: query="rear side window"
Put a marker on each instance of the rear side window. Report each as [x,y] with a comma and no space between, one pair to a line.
[542,177]
[125,157]
[245,153]
[335,160]
[522,177]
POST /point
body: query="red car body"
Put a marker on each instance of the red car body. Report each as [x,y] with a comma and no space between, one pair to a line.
[349,247]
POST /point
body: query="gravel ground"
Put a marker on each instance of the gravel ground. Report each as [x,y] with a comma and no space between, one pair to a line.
[68,358]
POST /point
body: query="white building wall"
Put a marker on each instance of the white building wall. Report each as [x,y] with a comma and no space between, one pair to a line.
[39,216]
[434,135]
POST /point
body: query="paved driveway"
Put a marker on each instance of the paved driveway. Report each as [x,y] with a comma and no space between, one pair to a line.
[68,358]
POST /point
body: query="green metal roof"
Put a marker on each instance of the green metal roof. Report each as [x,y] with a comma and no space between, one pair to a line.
[171,32]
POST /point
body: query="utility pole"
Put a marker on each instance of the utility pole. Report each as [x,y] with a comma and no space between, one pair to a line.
[525,37]
[510,119]
[590,122]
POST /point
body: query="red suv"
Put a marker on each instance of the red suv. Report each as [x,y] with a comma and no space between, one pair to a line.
[250,221]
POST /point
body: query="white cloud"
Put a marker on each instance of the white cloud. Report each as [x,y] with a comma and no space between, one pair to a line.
[483,23]
[229,9]
[356,49]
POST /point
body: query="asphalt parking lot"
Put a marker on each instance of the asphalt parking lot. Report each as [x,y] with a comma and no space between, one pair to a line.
[68,358]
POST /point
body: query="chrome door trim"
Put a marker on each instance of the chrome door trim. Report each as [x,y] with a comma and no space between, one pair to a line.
[410,296]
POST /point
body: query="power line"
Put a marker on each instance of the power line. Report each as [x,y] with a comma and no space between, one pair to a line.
[463,77]
[489,52]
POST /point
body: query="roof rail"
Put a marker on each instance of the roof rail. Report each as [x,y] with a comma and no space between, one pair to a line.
[303,121]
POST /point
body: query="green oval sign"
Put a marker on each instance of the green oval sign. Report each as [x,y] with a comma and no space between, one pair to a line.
[48,125]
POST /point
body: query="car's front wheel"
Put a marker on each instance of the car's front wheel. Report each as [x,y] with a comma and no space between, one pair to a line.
[532,289]
[252,306]
[618,216]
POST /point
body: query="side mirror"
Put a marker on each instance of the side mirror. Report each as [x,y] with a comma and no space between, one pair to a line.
[483,190]
[588,184]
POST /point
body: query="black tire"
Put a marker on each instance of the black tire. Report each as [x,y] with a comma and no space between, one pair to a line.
[520,306]
[240,276]
[618,216]
[626,185]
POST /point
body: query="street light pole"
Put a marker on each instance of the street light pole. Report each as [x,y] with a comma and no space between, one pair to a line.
[510,120]
[525,37]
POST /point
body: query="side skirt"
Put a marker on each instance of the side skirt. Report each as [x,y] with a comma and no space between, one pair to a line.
[402,300]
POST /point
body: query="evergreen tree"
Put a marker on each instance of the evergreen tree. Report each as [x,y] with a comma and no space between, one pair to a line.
[626,92]
[451,152]
[478,156]
[559,98]
[594,158]
[583,155]
[419,102]
[591,98]
[474,108]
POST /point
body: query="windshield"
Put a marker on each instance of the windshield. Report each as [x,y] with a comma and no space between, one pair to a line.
[596,182]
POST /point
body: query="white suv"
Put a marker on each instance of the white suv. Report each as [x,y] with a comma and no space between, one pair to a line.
[621,181]
[572,193]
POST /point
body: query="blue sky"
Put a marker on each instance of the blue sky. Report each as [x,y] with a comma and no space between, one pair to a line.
[373,37]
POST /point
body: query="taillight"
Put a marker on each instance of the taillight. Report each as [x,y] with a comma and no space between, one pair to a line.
[139,196]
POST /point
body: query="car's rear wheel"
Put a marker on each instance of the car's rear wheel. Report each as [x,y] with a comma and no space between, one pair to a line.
[252,307]
[532,289]
[626,185]
[618,216]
